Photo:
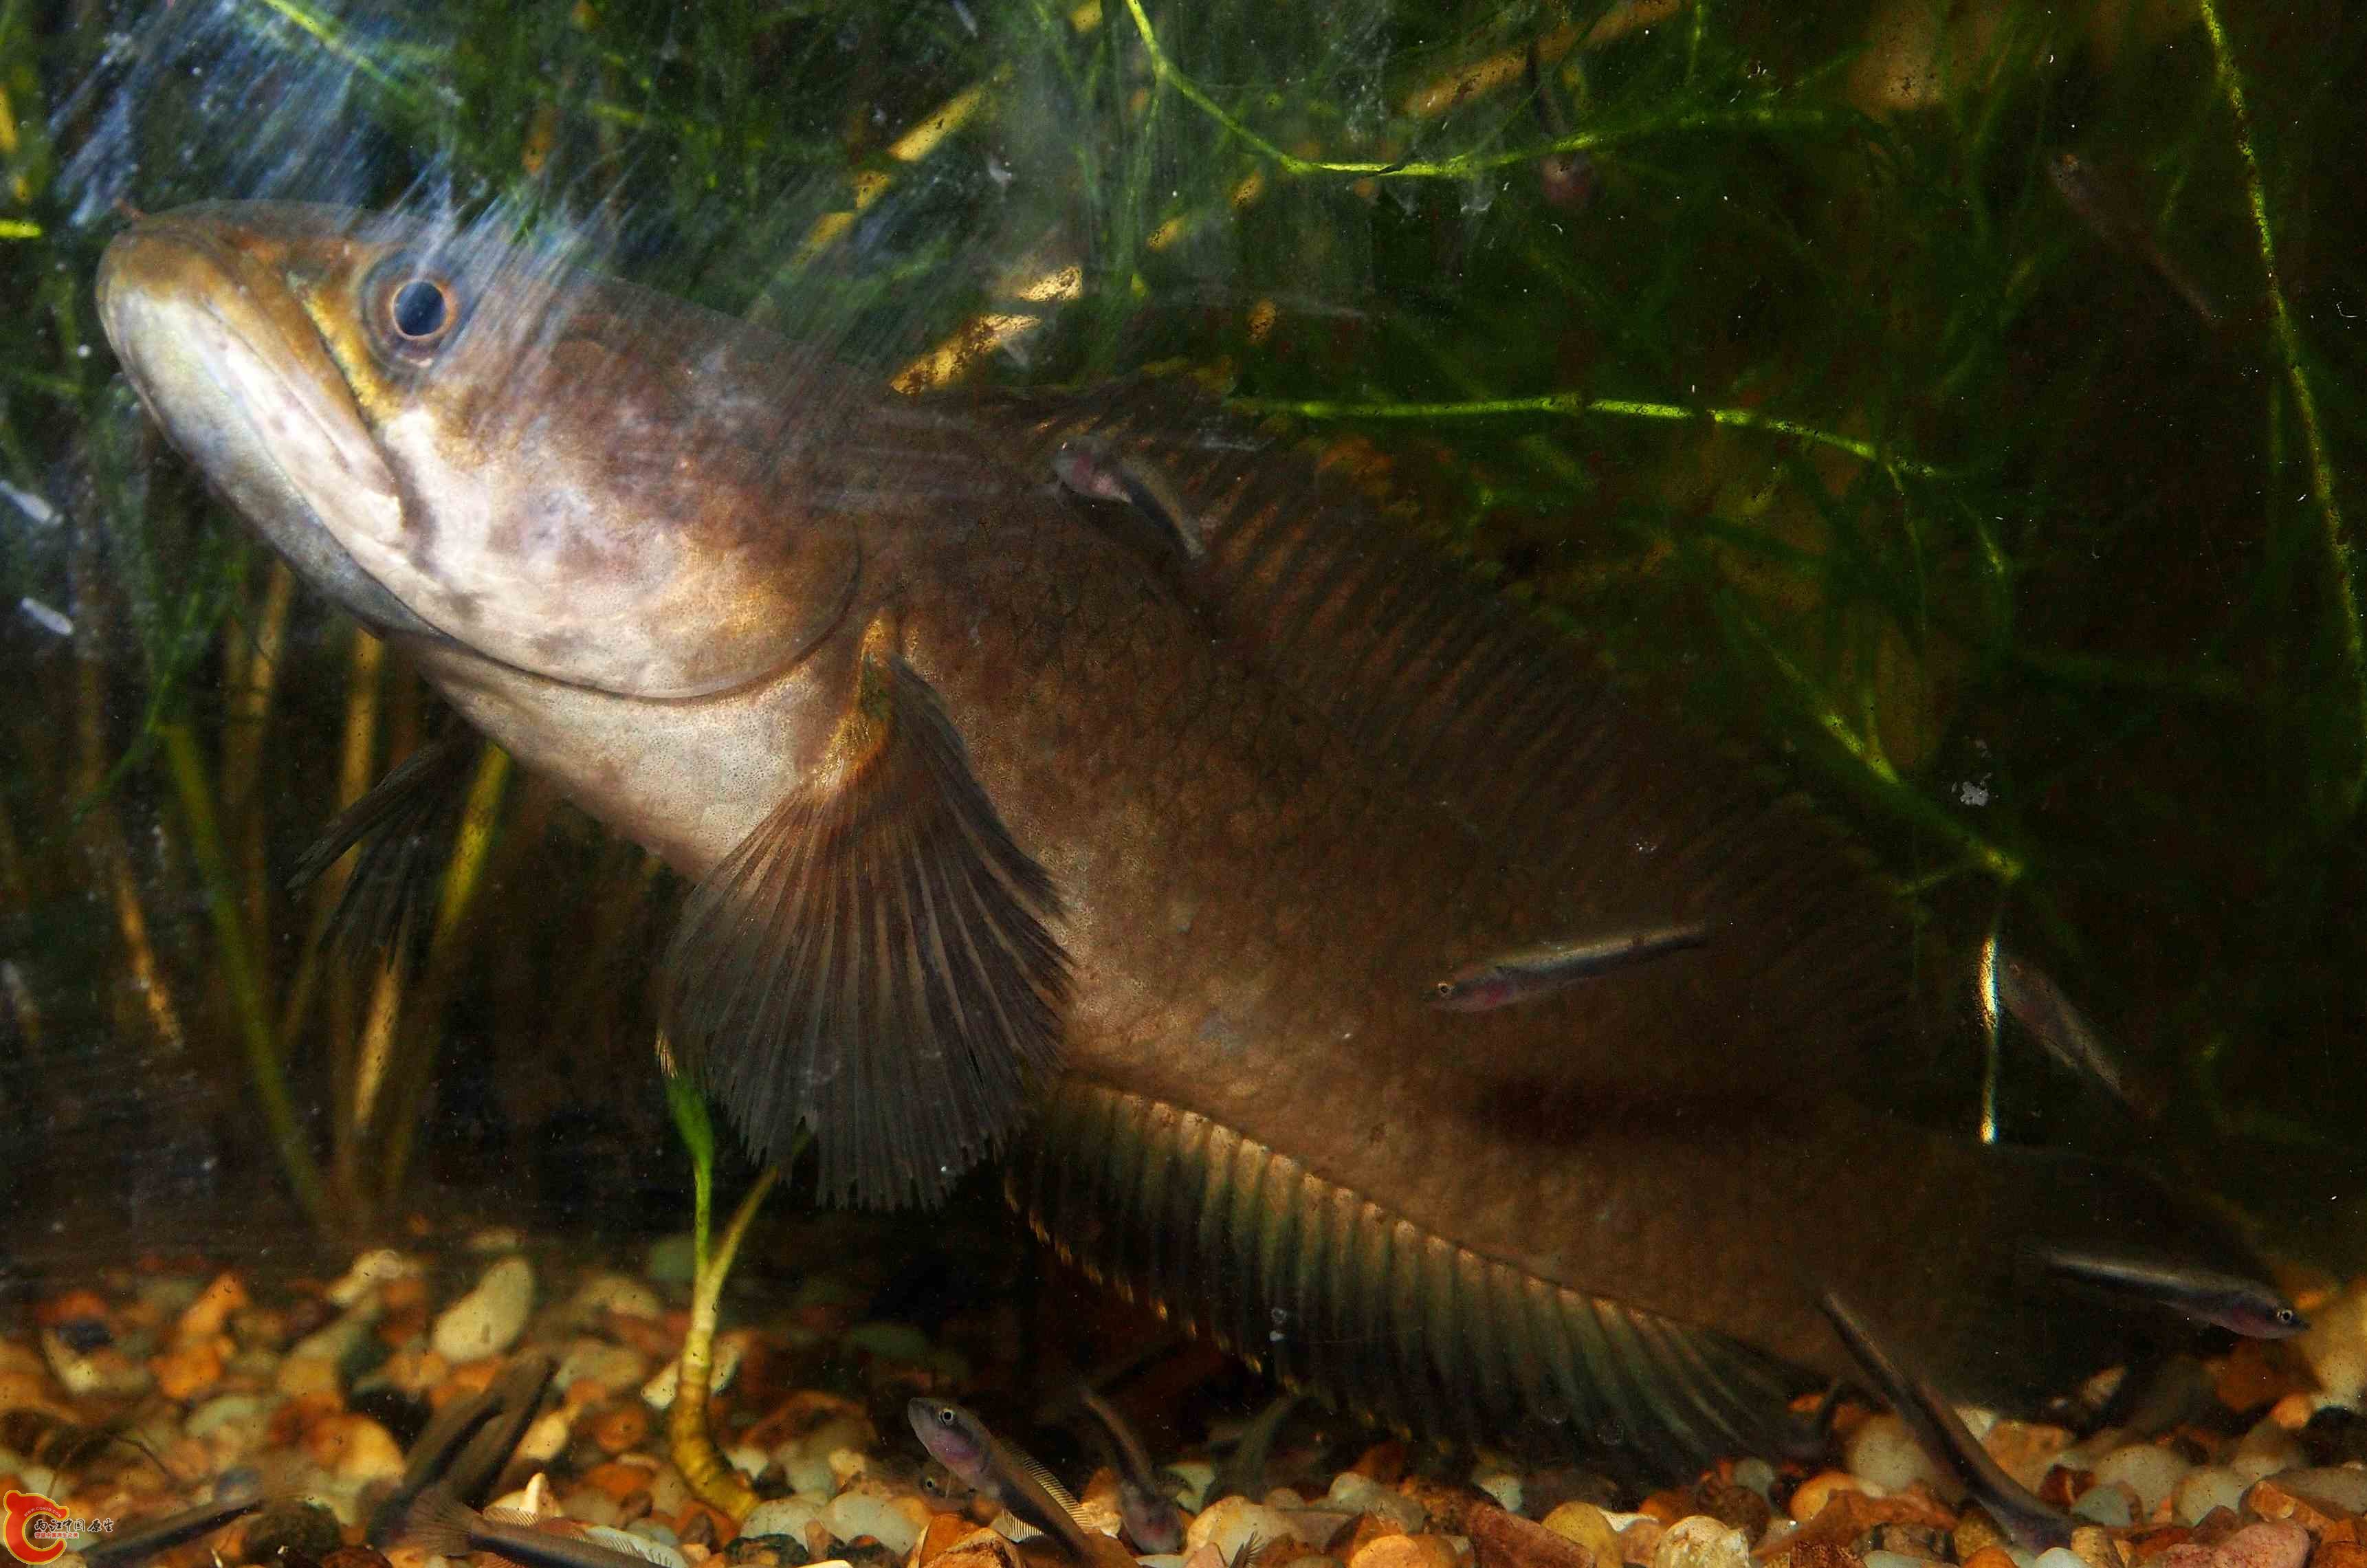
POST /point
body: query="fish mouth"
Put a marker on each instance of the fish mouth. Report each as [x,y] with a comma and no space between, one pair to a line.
[230,366]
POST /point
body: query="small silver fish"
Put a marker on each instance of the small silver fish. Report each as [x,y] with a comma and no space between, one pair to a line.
[1153,1521]
[2034,1001]
[959,1440]
[1090,466]
[442,1525]
[1940,1431]
[1527,972]
[2114,218]
[2248,1307]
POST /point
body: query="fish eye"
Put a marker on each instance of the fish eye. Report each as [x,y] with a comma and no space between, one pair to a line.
[945,1416]
[2287,1317]
[416,310]
[1443,989]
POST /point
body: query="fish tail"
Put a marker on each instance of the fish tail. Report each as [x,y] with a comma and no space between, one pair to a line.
[439,1524]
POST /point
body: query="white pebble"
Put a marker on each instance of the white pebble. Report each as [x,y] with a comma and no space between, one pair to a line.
[2107,1503]
[1755,1473]
[488,1320]
[783,1515]
[2151,1472]
[546,1438]
[1197,1476]
[2344,1491]
[2264,1451]
[1229,1521]
[855,1514]
[749,1460]
[2059,1557]
[1885,1453]
[2204,1488]
[1503,1485]
[1699,1542]
[1894,1560]
[370,1270]
[620,1293]
[1355,1493]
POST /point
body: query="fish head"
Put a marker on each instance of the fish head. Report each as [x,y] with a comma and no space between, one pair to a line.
[2257,1315]
[470,440]
[954,1437]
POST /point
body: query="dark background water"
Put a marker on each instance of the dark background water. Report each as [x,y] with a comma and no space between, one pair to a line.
[1802,389]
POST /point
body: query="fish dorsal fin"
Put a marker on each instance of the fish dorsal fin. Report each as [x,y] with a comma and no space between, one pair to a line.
[405,826]
[874,963]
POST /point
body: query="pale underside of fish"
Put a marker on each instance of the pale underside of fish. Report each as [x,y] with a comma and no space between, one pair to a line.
[1007,811]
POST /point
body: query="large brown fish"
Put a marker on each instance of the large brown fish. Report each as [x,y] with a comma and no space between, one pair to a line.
[1002,804]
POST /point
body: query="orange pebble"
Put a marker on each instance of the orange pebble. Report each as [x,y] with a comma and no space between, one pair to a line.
[1990,1557]
[1809,1499]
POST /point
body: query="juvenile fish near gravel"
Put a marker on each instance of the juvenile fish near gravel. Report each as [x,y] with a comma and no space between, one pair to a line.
[1528,972]
[125,1547]
[959,1440]
[1153,1521]
[442,1525]
[992,824]
[2234,1301]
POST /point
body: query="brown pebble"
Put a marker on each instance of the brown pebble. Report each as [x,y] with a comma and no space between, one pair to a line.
[1637,1540]
[1384,1462]
[355,1557]
[1925,1542]
[1801,1553]
[1586,1526]
[1447,1504]
[620,1427]
[1502,1540]
[1403,1550]
[1369,1528]
[1737,1507]
[1976,1532]
[1848,1517]
[1990,1557]
[704,1525]
[2025,1450]
[2268,1499]
[942,1532]
[2098,1548]
[2151,1543]
[2217,1526]
[2338,1554]
[2062,1485]
[635,1504]
[1666,1506]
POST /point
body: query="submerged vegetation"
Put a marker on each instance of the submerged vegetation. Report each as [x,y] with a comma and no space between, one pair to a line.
[1773,349]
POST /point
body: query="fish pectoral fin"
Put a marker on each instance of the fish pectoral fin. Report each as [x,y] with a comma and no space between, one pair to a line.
[874,964]
[405,826]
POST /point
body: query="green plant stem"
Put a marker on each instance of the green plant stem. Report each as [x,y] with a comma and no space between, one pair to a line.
[1754,117]
[2321,462]
[690,1119]
[188,774]
[1575,405]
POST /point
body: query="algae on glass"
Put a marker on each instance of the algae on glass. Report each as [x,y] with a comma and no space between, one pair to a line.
[2013,517]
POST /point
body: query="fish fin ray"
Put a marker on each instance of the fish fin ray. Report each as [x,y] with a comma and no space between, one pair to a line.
[405,827]
[1627,1382]
[876,963]
[439,1524]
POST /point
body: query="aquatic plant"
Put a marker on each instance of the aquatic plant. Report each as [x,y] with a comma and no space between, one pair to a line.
[1765,349]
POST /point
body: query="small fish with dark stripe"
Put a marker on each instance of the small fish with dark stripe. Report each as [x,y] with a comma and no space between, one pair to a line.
[1153,1521]
[1527,974]
[959,1440]
[1092,467]
[120,1550]
[2249,1307]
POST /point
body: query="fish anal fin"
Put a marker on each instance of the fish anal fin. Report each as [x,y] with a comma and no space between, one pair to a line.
[874,963]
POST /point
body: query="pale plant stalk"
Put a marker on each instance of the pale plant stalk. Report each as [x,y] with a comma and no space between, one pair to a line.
[242,748]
